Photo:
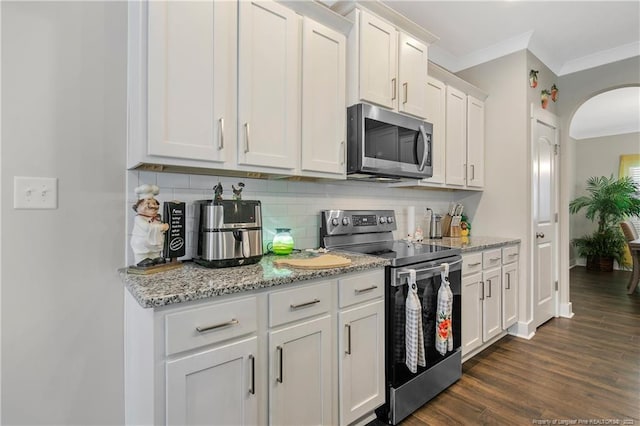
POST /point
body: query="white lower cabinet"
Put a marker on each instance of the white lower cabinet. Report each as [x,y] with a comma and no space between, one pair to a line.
[279,357]
[300,373]
[214,387]
[471,312]
[510,274]
[491,304]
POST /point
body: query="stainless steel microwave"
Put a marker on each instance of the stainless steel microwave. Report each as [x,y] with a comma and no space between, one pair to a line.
[382,143]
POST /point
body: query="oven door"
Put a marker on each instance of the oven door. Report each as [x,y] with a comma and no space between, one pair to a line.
[386,143]
[428,280]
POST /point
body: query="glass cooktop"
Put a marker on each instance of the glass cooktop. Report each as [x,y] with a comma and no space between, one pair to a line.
[403,253]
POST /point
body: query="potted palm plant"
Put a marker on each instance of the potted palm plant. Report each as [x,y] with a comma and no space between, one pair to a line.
[609,202]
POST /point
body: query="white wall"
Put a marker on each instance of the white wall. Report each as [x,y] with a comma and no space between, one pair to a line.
[64,116]
[504,209]
[597,157]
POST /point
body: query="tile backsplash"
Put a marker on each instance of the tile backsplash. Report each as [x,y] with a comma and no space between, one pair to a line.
[290,204]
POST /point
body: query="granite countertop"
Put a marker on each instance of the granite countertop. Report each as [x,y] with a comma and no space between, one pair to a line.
[194,282]
[474,243]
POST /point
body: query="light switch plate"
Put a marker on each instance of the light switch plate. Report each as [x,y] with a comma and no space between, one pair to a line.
[35,193]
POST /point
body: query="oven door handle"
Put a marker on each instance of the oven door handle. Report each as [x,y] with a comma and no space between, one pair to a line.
[423,270]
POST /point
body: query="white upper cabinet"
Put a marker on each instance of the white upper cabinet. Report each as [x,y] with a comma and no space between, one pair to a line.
[378,61]
[475,142]
[269,85]
[187,73]
[412,71]
[323,99]
[456,129]
[387,67]
[436,101]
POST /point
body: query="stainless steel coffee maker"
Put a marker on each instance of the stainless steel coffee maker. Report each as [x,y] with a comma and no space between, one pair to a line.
[228,233]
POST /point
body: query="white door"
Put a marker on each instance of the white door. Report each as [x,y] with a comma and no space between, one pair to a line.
[456,129]
[269,85]
[300,374]
[378,61]
[323,99]
[361,365]
[412,74]
[435,112]
[545,196]
[491,304]
[475,142]
[471,312]
[215,387]
[191,80]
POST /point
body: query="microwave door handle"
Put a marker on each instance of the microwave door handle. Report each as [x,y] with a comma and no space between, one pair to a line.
[425,154]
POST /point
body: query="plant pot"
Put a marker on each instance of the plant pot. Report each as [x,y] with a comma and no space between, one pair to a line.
[597,263]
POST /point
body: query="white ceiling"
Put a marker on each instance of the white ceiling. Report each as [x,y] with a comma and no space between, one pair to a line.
[568,36]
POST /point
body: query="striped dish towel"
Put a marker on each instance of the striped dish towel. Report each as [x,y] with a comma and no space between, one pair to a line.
[414,340]
[444,333]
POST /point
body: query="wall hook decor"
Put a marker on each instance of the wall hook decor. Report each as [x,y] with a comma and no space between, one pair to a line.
[533,78]
[554,93]
[544,98]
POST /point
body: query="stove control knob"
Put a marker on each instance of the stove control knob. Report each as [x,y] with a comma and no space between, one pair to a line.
[335,221]
[383,219]
[345,221]
[390,219]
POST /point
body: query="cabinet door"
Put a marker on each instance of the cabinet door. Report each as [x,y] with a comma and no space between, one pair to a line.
[475,142]
[361,365]
[456,130]
[323,99]
[378,61]
[412,72]
[269,85]
[435,114]
[509,295]
[215,387]
[491,304]
[300,374]
[191,79]
[471,312]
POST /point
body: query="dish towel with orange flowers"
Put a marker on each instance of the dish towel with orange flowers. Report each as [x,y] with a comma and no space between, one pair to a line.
[444,334]
[414,339]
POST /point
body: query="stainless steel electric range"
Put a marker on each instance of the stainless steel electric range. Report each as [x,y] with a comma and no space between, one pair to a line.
[371,232]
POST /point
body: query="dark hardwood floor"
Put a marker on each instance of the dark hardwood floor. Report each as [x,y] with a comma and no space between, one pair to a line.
[584,370]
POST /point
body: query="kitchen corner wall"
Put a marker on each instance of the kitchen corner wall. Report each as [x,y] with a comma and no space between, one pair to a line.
[288,203]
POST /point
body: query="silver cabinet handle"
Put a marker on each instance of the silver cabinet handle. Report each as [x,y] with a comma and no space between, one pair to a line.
[393,87]
[348,350]
[473,172]
[465,171]
[513,254]
[252,389]
[474,264]
[246,137]
[508,281]
[406,87]
[304,305]
[489,282]
[221,141]
[280,355]
[493,259]
[217,326]
[342,153]
[482,288]
[364,290]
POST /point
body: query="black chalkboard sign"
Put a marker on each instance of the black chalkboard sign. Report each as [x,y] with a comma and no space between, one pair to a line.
[174,241]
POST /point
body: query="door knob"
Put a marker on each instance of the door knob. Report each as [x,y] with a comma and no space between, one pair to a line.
[539,235]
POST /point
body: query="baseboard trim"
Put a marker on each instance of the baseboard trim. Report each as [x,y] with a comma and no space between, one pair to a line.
[566,310]
[524,330]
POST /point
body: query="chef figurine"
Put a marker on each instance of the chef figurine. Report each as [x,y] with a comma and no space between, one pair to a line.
[147,237]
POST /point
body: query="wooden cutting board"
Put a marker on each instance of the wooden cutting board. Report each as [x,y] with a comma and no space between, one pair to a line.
[325,261]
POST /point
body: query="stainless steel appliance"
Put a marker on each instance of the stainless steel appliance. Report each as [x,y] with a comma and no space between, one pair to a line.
[385,144]
[371,231]
[229,232]
[436,226]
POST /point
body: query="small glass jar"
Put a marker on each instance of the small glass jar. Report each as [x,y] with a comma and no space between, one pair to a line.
[282,241]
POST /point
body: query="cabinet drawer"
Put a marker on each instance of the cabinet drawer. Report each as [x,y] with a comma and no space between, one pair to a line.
[299,303]
[471,263]
[491,258]
[210,324]
[510,254]
[360,288]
